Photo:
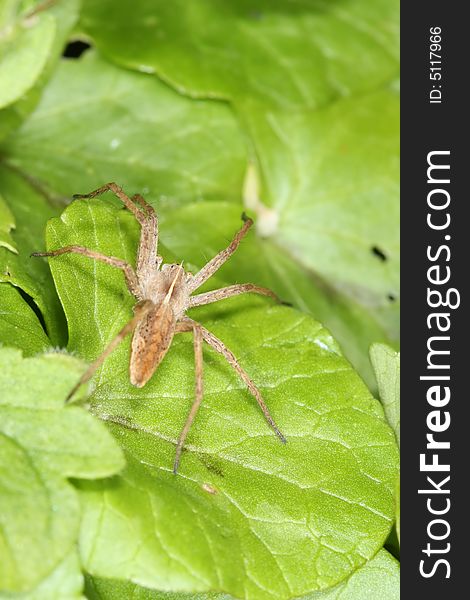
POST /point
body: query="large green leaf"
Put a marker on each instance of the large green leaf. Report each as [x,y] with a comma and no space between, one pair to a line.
[97,123]
[30,210]
[283,54]
[245,514]
[43,443]
[379,578]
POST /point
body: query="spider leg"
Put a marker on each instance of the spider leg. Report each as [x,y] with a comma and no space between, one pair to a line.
[229,291]
[148,208]
[117,191]
[215,263]
[140,311]
[147,257]
[198,388]
[222,349]
[146,216]
[129,274]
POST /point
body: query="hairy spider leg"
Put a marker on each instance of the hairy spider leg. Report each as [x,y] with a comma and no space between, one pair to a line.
[129,274]
[141,310]
[198,391]
[185,325]
[228,292]
[219,259]
[145,214]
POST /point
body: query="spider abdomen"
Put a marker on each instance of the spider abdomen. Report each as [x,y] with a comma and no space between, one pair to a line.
[150,342]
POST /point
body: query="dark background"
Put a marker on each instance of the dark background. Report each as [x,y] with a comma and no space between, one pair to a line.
[427,127]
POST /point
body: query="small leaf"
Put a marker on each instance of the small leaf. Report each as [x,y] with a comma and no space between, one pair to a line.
[19,325]
[32,275]
[246,514]
[24,50]
[39,512]
[280,54]
[386,363]
[379,578]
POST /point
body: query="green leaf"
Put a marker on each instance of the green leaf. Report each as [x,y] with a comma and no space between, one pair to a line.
[282,54]
[24,50]
[18,268]
[97,123]
[19,325]
[39,509]
[386,363]
[336,193]
[246,514]
[379,578]
[32,36]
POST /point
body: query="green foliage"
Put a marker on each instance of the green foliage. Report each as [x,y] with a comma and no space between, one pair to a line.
[97,122]
[18,322]
[39,509]
[30,210]
[207,108]
[32,35]
[27,47]
[122,126]
[65,582]
[328,493]
[279,54]
[331,177]
[379,578]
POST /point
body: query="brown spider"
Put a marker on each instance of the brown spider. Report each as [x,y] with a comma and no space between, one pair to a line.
[164,294]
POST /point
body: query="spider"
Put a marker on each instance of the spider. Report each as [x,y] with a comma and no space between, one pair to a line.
[164,293]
